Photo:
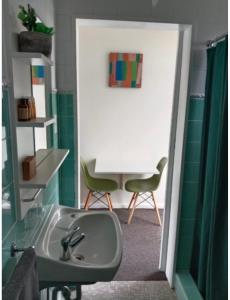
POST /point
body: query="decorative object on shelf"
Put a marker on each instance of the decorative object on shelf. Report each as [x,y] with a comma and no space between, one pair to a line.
[23,110]
[125,69]
[38,74]
[26,109]
[38,36]
[33,108]
[29,167]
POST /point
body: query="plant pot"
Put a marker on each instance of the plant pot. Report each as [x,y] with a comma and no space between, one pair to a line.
[35,42]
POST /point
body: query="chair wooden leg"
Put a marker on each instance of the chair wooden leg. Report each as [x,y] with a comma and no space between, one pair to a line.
[108,200]
[158,214]
[87,200]
[131,201]
[133,208]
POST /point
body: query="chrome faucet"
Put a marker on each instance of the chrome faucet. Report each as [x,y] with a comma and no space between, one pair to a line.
[68,242]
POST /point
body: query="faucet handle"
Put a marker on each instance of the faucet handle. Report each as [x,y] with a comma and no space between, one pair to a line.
[77,240]
[74,227]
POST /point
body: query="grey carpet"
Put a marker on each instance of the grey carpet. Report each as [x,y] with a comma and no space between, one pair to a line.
[141,246]
[131,290]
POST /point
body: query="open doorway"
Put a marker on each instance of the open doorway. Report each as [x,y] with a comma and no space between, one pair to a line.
[134,125]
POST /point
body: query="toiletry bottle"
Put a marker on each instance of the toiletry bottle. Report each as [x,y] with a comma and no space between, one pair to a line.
[33,107]
[30,109]
[23,111]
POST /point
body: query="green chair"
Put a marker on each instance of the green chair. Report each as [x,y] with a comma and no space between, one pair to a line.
[140,187]
[98,188]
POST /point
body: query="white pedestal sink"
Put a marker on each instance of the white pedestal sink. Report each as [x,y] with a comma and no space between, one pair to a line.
[96,258]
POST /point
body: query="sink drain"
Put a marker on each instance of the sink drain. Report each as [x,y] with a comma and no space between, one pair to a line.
[79,257]
[73,216]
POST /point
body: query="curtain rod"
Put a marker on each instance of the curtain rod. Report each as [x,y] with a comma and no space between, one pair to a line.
[212,43]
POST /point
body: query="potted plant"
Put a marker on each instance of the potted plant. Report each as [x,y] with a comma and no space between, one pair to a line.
[38,36]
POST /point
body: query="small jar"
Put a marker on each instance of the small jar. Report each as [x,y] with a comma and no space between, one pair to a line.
[33,107]
[23,110]
[30,109]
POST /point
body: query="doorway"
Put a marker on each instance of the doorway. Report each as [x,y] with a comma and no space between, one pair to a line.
[99,107]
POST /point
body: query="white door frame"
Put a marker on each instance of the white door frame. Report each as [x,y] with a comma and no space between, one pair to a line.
[172,202]
[174,179]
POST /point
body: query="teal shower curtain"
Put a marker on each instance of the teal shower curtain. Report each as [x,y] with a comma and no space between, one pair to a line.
[210,251]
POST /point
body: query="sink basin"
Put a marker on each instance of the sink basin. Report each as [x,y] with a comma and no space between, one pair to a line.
[96,258]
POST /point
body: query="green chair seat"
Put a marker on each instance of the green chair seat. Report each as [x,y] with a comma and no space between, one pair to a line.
[102,185]
[97,185]
[140,186]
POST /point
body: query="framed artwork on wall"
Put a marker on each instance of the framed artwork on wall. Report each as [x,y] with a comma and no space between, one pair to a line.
[125,69]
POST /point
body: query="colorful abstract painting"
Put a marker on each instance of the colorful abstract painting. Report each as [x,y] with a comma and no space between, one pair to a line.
[38,74]
[125,69]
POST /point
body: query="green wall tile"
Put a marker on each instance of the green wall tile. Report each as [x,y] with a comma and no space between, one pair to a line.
[185,287]
[7,169]
[184,252]
[190,183]
[65,125]
[196,109]
[189,202]
[194,131]
[66,142]
[187,227]
[192,152]
[67,169]
[66,129]
[8,209]
[191,171]
[67,189]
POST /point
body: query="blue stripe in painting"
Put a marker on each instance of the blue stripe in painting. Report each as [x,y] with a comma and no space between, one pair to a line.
[41,73]
[119,70]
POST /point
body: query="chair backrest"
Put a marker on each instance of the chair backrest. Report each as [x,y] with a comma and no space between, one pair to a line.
[161,164]
[85,173]
[160,167]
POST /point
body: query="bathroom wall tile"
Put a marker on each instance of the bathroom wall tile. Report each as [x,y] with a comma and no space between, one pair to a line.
[192,152]
[189,200]
[65,125]
[185,287]
[184,252]
[66,142]
[191,171]
[190,182]
[196,109]
[8,209]
[67,189]
[7,175]
[180,292]
[187,227]
[65,110]
[5,115]
[67,169]
[194,131]
[68,201]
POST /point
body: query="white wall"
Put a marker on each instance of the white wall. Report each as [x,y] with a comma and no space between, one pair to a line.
[126,123]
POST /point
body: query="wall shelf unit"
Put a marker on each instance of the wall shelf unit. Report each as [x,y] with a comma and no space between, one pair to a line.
[32,136]
[33,58]
[48,161]
[38,122]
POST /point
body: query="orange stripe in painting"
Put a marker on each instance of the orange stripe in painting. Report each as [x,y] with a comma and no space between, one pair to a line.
[113,56]
[125,56]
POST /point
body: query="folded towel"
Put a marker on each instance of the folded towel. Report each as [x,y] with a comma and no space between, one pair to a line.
[23,283]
